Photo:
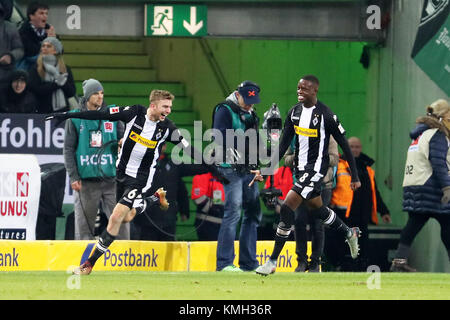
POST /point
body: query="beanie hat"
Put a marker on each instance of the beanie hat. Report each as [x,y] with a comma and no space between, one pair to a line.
[90,87]
[19,74]
[56,43]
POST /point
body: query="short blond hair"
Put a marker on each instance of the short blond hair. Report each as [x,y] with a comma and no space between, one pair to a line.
[157,95]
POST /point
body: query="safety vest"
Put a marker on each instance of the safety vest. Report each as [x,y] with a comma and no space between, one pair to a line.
[282,180]
[94,161]
[238,122]
[342,196]
[205,185]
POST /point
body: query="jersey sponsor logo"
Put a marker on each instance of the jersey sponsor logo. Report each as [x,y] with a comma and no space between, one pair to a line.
[114,110]
[145,142]
[306,132]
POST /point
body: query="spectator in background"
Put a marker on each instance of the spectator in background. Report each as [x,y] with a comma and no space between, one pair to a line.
[87,142]
[32,32]
[209,196]
[17,98]
[157,224]
[11,47]
[426,184]
[51,79]
[360,207]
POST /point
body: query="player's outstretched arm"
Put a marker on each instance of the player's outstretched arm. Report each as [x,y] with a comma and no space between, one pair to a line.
[114,113]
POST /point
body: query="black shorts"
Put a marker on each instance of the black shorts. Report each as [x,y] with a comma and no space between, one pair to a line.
[308,184]
[128,191]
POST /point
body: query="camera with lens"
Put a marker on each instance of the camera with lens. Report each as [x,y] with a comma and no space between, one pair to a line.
[273,124]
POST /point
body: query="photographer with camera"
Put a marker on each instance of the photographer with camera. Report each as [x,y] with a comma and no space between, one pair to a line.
[236,115]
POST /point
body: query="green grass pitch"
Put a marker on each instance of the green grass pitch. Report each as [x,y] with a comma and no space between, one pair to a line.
[223,286]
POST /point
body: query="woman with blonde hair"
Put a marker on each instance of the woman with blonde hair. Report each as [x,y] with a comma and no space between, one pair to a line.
[51,79]
[426,183]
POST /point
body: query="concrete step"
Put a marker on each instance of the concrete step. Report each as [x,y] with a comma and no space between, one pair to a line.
[124,68]
[137,89]
[179,104]
[107,60]
[114,74]
[103,46]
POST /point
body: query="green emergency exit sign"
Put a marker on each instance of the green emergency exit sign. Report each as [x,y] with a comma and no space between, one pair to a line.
[175,20]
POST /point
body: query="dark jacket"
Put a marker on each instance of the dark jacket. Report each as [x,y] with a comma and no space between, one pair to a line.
[10,44]
[43,90]
[31,40]
[362,204]
[427,161]
[11,102]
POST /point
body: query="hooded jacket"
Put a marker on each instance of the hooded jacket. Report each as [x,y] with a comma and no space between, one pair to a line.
[12,102]
[426,171]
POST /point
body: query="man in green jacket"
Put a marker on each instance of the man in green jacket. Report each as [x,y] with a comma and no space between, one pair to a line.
[90,154]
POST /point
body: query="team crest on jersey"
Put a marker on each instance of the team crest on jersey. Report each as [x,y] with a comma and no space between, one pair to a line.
[315,121]
[143,141]
[312,133]
[158,135]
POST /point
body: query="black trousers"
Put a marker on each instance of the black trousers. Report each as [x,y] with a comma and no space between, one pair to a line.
[415,223]
[206,230]
[309,228]
[336,251]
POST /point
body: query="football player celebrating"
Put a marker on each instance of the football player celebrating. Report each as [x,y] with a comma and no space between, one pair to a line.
[146,130]
[312,122]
